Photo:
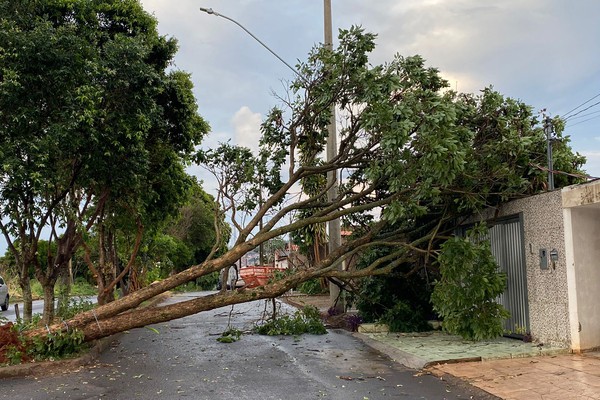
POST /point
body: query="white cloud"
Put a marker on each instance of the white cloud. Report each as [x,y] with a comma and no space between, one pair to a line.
[539,51]
[592,166]
[246,125]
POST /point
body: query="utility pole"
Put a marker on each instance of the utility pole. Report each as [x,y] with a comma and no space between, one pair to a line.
[549,131]
[335,235]
[334,228]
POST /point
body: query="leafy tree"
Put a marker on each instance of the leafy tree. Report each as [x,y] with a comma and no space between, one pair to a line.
[470,283]
[415,156]
[271,246]
[400,299]
[93,126]
[194,226]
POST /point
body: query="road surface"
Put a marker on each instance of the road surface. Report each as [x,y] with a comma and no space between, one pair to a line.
[185,361]
[37,307]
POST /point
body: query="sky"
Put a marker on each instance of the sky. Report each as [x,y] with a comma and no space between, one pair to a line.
[543,52]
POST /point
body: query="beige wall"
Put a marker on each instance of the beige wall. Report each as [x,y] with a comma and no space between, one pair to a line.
[582,238]
[547,289]
[563,300]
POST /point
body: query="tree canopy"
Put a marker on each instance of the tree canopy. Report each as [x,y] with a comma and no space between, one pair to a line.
[95,125]
[413,155]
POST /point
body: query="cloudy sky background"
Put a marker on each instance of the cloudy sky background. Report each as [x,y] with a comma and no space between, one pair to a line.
[543,52]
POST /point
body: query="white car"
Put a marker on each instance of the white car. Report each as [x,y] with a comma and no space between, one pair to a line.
[4,296]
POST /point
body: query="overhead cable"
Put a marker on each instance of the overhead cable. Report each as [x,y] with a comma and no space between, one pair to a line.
[566,115]
[580,111]
[581,122]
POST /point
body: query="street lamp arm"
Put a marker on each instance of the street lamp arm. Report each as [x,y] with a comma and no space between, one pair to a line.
[211,11]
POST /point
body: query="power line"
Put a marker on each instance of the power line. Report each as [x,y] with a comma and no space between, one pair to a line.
[585,120]
[586,115]
[581,105]
[580,111]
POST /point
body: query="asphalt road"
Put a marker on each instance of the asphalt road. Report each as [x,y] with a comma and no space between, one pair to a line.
[37,308]
[185,361]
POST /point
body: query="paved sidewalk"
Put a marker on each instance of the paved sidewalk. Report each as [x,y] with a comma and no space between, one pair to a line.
[430,348]
[507,368]
[561,377]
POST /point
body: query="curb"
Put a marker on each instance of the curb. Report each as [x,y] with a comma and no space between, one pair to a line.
[64,365]
[400,356]
[397,355]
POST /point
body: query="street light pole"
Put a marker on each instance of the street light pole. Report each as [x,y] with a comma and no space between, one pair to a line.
[335,234]
[549,131]
[334,227]
[212,12]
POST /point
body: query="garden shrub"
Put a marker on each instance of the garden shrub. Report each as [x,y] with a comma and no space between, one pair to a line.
[400,302]
[465,296]
[311,286]
[306,320]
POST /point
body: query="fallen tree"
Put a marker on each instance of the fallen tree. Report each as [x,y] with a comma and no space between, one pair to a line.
[414,157]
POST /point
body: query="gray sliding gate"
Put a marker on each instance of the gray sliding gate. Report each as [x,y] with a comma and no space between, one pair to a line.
[508,247]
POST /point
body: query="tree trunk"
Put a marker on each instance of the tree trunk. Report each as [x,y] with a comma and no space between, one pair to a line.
[111,281]
[48,316]
[105,297]
[25,285]
[120,315]
[147,316]
[107,268]
[65,280]
[48,281]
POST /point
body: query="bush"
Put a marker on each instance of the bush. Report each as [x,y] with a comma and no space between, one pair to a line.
[401,317]
[311,286]
[16,348]
[57,345]
[208,282]
[400,302]
[75,306]
[81,287]
[470,282]
[306,320]
[37,291]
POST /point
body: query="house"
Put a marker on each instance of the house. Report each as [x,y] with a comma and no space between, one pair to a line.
[549,247]
[289,257]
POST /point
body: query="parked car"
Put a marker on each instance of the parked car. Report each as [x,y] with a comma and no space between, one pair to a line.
[4,296]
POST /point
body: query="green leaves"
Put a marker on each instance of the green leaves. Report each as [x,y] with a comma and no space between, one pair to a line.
[57,345]
[230,335]
[96,127]
[465,296]
[306,320]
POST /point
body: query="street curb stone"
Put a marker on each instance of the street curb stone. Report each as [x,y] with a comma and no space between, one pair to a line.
[404,358]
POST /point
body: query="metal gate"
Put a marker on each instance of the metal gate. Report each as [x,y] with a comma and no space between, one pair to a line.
[508,247]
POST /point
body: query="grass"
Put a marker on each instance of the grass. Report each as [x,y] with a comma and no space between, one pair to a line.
[79,288]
